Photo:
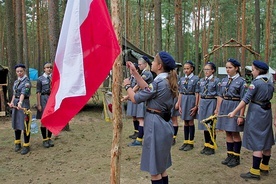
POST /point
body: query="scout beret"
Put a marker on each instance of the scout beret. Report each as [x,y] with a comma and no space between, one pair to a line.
[46,63]
[212,65]
[234,62]
[167,60]
[190,63]
[19,65]
[146,59]
[260,64]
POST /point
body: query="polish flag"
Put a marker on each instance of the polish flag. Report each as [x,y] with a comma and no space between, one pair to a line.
[85,54]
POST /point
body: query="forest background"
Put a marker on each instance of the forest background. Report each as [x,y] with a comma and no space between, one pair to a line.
[188,29]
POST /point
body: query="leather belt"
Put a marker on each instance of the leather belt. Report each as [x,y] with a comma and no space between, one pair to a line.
[208,97]
[45,93]
[231,98]
[26,97]
[153,111]
[188,93]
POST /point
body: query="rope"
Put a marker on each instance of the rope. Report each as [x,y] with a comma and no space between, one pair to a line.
[212,125]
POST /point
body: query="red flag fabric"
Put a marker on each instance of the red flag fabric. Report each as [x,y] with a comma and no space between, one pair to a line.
[85,54]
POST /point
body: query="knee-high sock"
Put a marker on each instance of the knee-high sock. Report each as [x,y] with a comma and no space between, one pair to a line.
[207,137]
[237,147]
[136,125]
[256,162]
[17,134]
[141,132]
[49,133]
[43,132]
[26,138]
[175,130]
[266,159]
[157,181]
[165,180]
[192,132]
[186,132]
[230,147]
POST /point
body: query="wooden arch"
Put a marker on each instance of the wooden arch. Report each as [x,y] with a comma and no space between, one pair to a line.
[231,43]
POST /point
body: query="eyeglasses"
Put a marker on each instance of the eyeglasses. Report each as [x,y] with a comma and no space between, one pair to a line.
[207,69]
[49,67]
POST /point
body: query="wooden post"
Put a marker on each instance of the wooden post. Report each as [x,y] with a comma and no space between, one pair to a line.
[267,32]
[116,103]
[243,63]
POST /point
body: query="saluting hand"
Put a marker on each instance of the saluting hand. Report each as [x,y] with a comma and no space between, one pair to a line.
[131,67]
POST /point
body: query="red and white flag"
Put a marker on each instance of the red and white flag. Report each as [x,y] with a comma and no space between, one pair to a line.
[85,54]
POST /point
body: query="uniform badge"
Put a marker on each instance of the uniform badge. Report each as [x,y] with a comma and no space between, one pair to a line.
[27,85]
[149,88]
[251,87]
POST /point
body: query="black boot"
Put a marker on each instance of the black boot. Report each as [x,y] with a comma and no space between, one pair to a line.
[45,143]
[25,150]
[249,175]
[17,147]
[227,160]
[234,161]
[134,135]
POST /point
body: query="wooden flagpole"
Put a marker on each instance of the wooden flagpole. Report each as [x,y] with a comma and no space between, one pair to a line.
[116,103]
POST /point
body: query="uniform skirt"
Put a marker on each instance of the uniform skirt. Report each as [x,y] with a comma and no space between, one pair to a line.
[225,123]
[158,137]
[206,109]
[141,110]
[43,101]
[18,116]
[187,103]
[258,132]
[131,108]
[175,112]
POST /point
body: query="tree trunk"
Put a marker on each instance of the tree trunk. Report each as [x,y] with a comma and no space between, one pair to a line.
[25,37]
[53,26]
[116,102]
[243,58]
[178,31]
[19,31]
[267,32]
[197,24]
[257,26]
[38,59]
[157,26]
[11,49]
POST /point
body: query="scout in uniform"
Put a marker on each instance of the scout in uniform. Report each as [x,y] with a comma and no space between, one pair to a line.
[20,100]
[208,92]
[188,104]
[258,131]
[43,90]
[232,89]
[132,107]
[156,154]
[144,66]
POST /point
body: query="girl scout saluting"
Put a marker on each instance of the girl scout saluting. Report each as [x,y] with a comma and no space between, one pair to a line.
[20,99]
[156,153]
[188,103]
[209,86]
[258,133]
[232,90]
[144,66]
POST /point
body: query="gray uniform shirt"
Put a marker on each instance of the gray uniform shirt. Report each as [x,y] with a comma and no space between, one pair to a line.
[258,131]
[158,134]
[21,86]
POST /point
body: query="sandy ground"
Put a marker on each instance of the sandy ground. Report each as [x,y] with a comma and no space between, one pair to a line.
[82,155]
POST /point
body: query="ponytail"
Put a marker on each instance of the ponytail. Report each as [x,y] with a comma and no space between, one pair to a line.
[172,78]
